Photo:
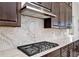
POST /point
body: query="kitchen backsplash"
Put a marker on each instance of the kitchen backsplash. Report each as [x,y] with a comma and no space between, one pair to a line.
[31,30]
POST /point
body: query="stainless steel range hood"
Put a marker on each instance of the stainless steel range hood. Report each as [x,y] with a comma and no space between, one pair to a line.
[34,10]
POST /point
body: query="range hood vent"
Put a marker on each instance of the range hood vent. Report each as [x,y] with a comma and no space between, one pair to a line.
[34,10]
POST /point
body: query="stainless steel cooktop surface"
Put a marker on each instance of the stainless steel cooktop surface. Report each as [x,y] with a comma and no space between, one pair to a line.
[34,48]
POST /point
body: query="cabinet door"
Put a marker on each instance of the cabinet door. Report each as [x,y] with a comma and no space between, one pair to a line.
[56,11]
[65,52]
[62,15]
[9,13]
[76,48]
[71,48]
[68,16]
[55,53]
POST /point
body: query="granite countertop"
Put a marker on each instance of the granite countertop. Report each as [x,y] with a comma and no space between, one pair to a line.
[14,52]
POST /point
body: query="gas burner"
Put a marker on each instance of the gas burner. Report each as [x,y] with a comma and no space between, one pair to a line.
[35,48]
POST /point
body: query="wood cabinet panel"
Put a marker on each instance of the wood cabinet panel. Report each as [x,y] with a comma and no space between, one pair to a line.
[68,16]
[65,15]
[71,48]
[46,4]
[67,51]
[56,11]
[8,11]
[9,14]
[76,48]
[55,53]
[64,51]
[62,15]
[69,4]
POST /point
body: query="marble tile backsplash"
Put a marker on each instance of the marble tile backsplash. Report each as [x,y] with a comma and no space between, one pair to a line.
[31,31]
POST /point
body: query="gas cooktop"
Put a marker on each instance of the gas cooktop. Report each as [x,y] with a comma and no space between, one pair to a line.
[35,48]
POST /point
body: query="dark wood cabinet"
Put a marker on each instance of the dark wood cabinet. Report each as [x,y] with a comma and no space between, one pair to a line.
[69,4]
[76,48]
[65,15]
[45,4]
[9,14]
[65,51]
[63,11]
[68,16]
[71,50]
[56,11]
[55,53]
[62,15]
